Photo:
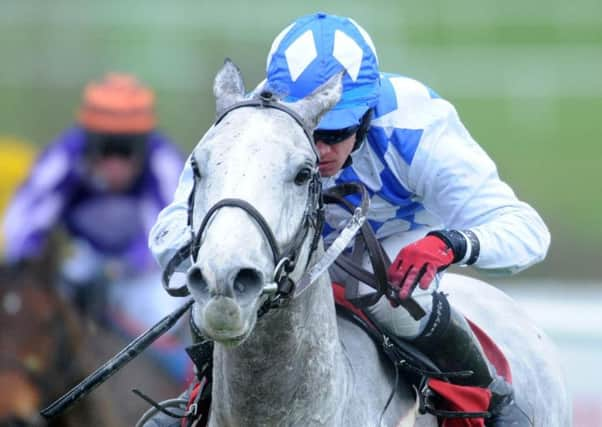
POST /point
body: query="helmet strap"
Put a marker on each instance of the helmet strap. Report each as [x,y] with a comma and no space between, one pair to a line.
[363,129]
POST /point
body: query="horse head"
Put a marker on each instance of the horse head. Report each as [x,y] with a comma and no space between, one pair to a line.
[256,190]
[47,346]
[38,340]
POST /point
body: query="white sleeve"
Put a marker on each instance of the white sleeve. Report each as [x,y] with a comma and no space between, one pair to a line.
[457,181]
[166,166]
[171,231]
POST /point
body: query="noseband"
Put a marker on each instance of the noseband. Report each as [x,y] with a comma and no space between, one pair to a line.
[285,260]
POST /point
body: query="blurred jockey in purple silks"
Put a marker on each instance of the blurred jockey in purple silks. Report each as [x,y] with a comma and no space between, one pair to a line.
[103,180]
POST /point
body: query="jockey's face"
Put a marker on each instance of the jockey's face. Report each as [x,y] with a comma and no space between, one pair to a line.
[115,159]
[115,173]
[333,156]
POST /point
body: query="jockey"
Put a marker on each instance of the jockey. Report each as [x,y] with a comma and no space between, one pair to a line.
[103,181]
[436,197]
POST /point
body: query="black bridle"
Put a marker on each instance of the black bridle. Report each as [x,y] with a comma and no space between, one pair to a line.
[285,259]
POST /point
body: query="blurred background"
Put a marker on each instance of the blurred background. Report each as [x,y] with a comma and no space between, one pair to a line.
[524,76]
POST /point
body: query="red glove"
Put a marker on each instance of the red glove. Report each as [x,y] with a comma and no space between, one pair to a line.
[418,263]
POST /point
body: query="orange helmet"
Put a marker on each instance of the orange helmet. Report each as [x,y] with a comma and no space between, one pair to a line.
[119,104]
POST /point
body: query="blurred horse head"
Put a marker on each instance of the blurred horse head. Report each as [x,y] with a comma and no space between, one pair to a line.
[47,346]
[40,336]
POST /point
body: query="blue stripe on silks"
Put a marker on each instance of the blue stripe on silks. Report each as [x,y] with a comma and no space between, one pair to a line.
[392,190]
[327,229]
[347,175]
[406,142]
[387,101]
[378,141]
[408,212]
[413,225]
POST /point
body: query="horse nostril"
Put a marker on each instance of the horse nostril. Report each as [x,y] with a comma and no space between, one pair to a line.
[247,283]
[239,286]
[196,280]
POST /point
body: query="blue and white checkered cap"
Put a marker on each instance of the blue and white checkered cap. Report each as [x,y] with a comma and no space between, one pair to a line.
[313,49]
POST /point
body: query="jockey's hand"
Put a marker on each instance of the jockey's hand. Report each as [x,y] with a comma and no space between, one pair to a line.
[418,263]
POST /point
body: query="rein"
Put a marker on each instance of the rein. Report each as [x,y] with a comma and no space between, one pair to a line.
[351,263]
[104,372]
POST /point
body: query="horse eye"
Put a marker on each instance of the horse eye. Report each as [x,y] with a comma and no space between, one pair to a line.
[303,176]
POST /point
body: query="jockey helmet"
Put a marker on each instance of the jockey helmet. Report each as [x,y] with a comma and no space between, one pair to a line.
[313,49]
[118,104]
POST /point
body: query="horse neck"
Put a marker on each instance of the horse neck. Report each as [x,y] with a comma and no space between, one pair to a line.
[288,368]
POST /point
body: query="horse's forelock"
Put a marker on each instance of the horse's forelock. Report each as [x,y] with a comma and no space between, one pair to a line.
[267,127]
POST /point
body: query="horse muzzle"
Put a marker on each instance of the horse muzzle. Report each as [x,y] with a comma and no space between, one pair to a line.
[223,320]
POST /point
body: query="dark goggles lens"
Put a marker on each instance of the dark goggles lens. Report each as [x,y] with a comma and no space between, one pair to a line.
[116,145]
[332,137]
[113,147]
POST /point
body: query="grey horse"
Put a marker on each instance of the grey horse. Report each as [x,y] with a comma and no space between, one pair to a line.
[300,365]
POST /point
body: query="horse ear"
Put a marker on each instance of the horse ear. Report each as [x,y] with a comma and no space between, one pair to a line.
[228,86]
[320,101]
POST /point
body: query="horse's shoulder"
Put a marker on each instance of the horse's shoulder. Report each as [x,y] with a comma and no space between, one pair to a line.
[369,370]
[355,340]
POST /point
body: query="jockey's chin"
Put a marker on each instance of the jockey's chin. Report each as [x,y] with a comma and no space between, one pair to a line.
[328,169]
[114,173]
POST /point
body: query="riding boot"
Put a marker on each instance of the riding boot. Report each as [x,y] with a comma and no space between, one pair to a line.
[450,343]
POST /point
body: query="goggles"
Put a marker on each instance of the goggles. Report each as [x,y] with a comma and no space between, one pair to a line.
[332,137]
[126,146]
